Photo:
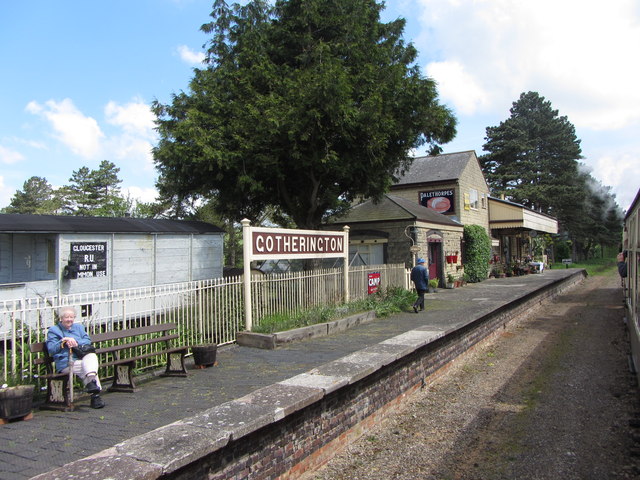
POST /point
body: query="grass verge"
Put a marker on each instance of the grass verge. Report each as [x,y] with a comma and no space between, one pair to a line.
[393,300]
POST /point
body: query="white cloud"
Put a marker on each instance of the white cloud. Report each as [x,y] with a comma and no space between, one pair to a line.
[189,56]
[134,117]
[77,131]
[5,194]
[457,85]
[143,194]
[579,54]
[9,157]
[134,143]
[620,170]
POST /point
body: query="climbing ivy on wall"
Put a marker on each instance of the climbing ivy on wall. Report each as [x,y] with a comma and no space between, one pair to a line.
[477,253]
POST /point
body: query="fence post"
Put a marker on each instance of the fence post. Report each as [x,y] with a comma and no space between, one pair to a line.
[346,263]
[246,258]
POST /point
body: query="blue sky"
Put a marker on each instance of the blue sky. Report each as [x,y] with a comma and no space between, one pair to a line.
[79,76]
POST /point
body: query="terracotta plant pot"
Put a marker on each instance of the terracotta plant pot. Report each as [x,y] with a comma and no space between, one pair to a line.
[204,355]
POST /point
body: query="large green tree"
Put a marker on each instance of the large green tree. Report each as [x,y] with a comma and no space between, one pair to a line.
[95,192]
[36,197]
[533,157]
[303,106]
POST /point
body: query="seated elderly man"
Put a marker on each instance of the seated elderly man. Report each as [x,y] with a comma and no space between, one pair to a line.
[62,338]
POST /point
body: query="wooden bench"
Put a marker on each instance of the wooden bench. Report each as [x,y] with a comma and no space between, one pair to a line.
[117,352]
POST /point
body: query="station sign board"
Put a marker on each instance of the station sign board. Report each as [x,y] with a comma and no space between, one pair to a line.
[89,259]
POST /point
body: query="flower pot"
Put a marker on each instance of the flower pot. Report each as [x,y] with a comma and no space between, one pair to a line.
[16,402]
[204,355]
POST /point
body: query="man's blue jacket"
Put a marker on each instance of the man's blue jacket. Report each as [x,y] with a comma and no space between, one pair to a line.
[420,277]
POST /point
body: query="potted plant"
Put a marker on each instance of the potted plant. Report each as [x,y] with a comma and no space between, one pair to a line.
[450,281]
[204,355]
[433,285]
[16,401]
[498,270]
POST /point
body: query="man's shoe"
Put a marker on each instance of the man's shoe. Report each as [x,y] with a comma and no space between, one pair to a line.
[415,309]
[96,401]
[92,387]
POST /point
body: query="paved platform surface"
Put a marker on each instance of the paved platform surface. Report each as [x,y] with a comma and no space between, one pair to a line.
[53,439]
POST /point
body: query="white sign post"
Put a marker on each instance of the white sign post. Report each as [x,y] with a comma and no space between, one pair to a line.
[262,243]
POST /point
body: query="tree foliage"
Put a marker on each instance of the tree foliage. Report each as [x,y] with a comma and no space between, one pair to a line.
[90,192]
[303,106]
[94,192]
[533,159]
[477,253]
[36,197]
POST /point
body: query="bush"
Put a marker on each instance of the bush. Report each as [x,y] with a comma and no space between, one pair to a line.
[477,253]
[562,250]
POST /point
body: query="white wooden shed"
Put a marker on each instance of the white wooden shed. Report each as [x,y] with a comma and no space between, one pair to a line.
[49,255]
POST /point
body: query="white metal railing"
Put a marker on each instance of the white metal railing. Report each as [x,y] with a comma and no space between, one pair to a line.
[206,311]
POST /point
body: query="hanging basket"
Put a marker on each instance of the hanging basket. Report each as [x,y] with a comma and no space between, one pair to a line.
[204,355]
[16,402]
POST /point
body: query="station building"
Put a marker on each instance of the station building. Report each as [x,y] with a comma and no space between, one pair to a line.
[425,211]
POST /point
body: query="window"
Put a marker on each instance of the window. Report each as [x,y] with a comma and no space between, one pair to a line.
[473,199]
[51,256]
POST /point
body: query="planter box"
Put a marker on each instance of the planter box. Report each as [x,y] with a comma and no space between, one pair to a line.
[272,340]
[16,402]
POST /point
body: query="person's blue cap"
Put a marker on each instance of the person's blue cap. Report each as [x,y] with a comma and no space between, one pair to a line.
[421,260]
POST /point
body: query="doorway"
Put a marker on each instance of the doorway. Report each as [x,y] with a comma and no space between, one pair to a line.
[435,260]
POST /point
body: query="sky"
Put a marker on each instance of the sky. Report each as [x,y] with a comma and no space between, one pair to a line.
[78,78]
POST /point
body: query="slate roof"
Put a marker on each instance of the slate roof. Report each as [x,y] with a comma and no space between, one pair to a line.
[392,207]
[436,168]
[17,223]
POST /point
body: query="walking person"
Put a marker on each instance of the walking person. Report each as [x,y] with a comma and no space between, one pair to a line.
[420,278]
[64,337]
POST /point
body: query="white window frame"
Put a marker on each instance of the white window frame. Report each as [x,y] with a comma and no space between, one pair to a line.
[473,199]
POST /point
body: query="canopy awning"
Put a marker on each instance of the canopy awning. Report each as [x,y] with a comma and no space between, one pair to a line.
[508,215]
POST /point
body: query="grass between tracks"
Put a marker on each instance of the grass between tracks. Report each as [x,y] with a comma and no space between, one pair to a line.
[596,266]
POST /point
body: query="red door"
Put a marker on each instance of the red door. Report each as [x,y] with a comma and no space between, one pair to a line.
[435,260]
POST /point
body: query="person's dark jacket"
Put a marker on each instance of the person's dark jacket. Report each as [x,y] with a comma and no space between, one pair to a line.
[622,269]
[420,277]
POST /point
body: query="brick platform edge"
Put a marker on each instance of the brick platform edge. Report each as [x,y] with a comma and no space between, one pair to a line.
[292,427]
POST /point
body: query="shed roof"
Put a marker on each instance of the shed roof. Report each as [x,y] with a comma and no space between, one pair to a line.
[436,168]
[393,207]
[17,223]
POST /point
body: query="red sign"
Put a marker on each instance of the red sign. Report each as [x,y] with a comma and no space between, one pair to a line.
[374,282]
